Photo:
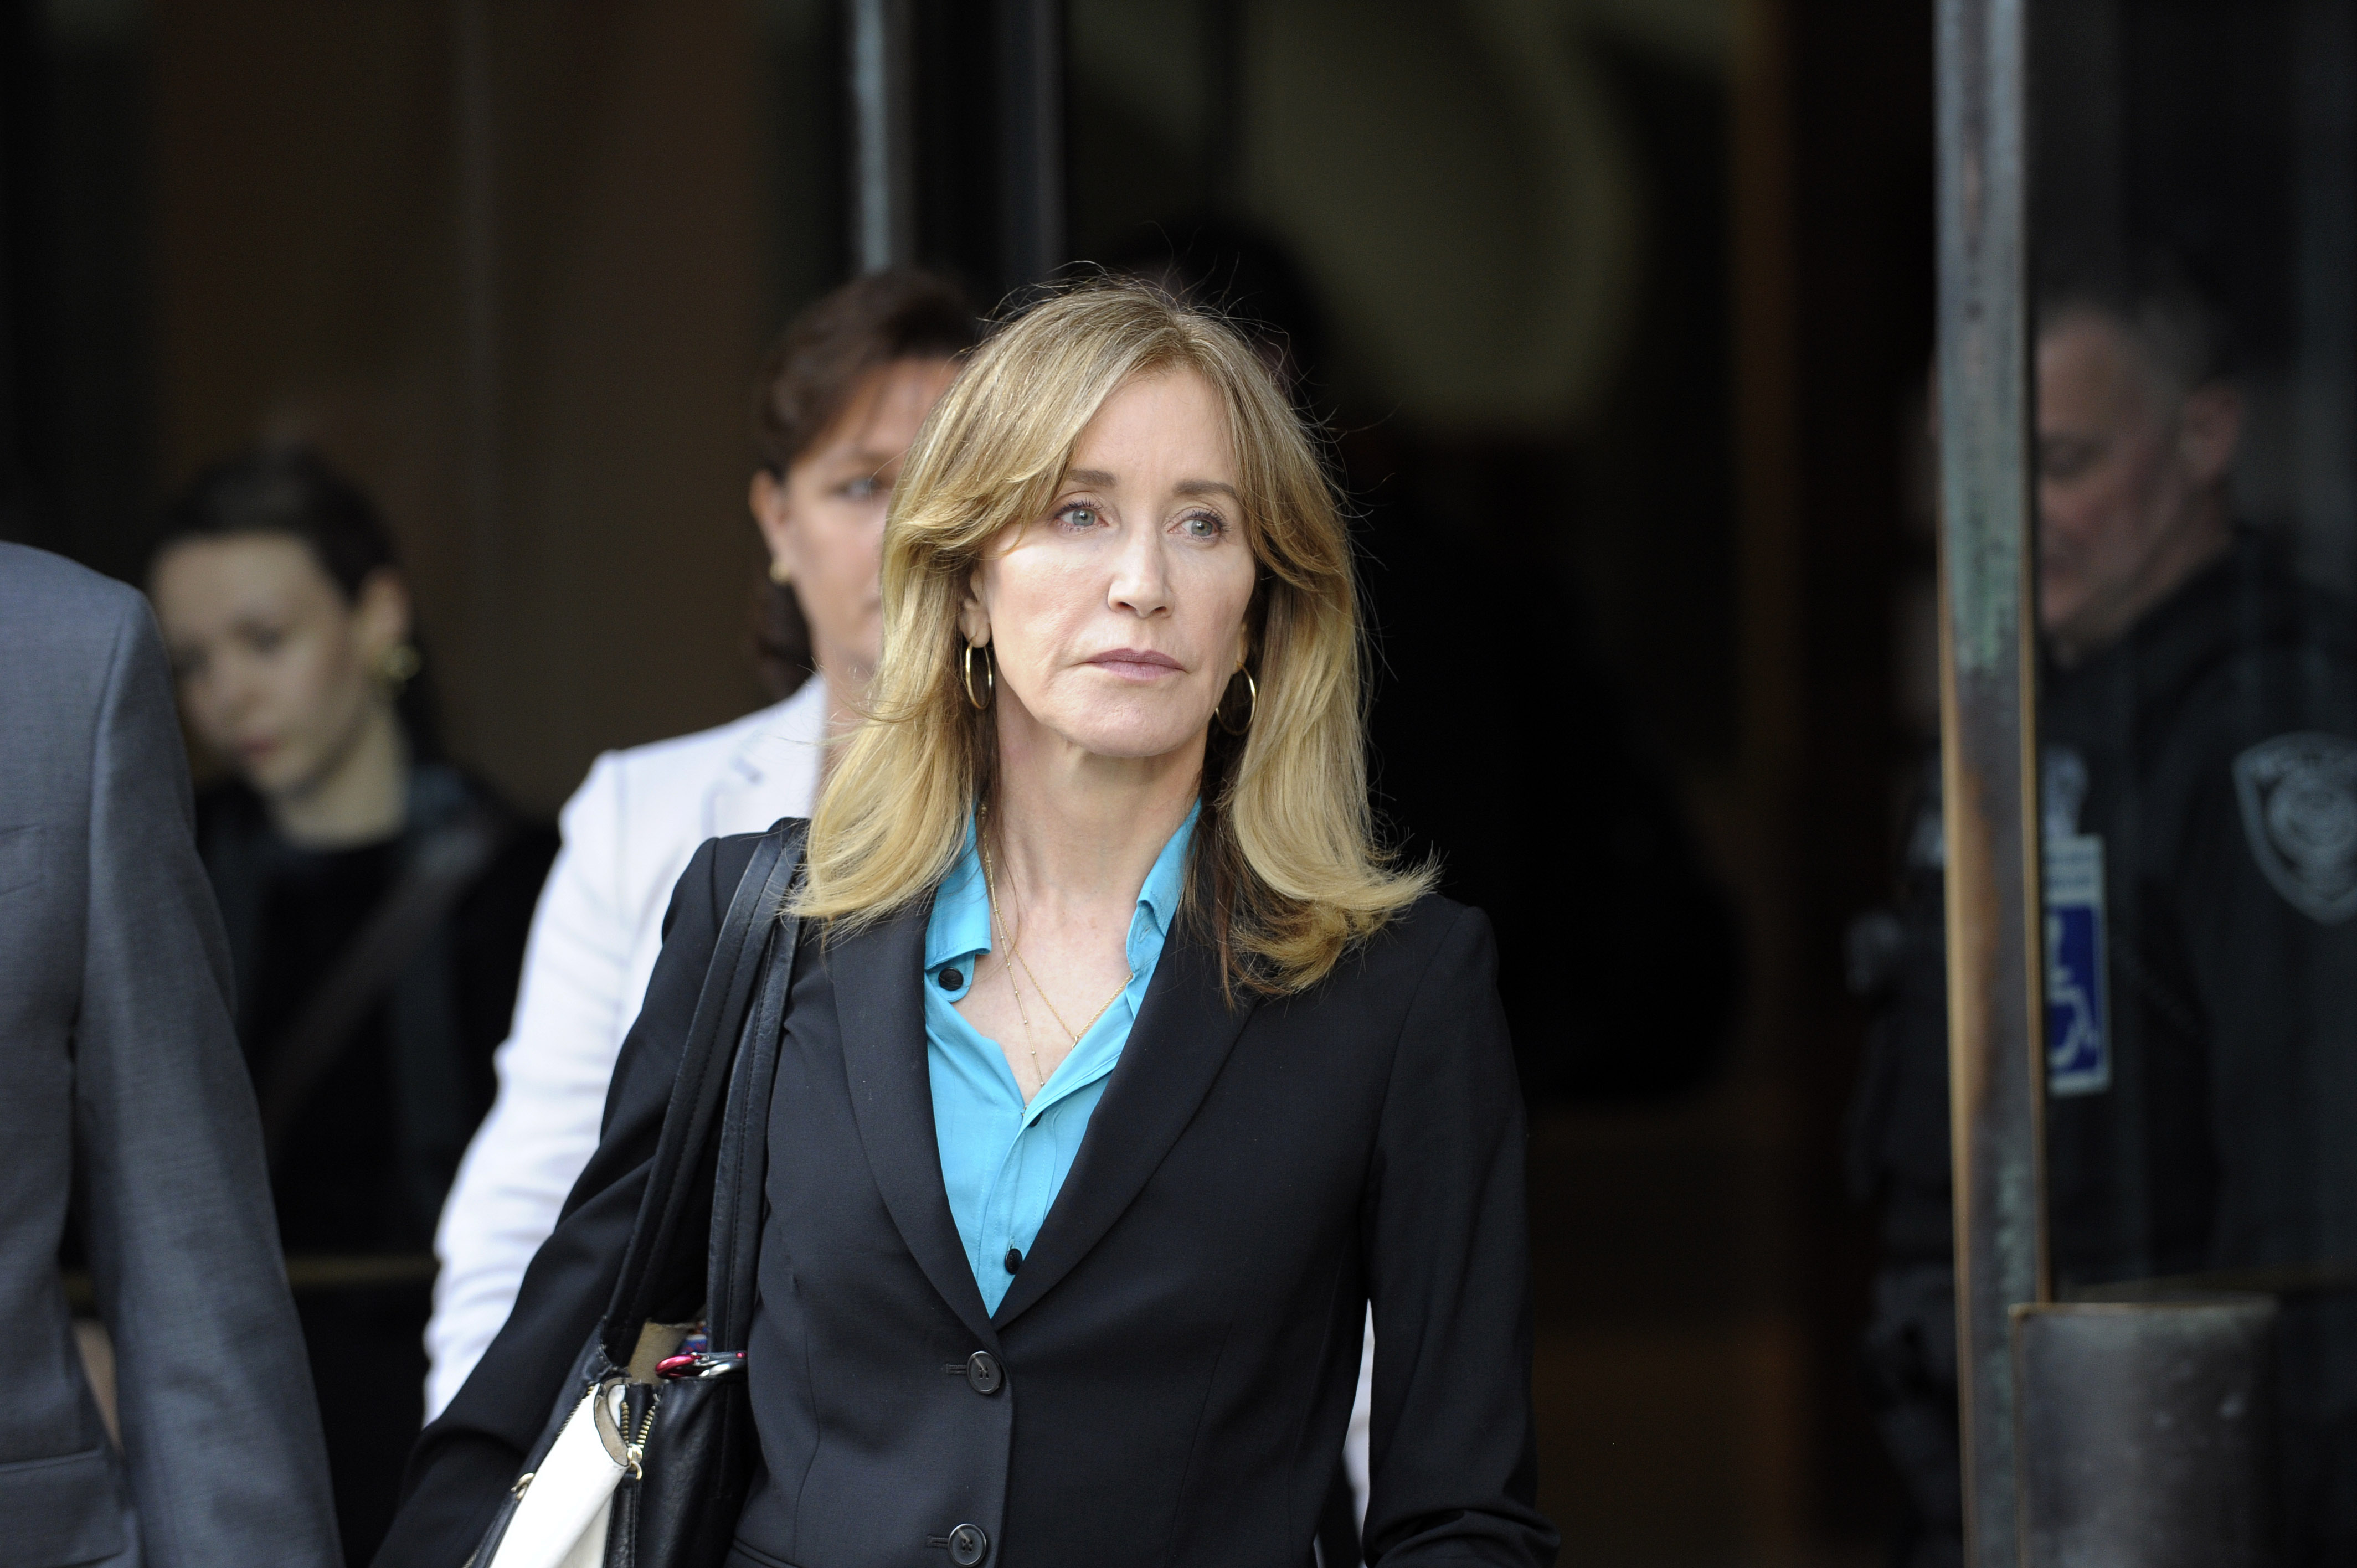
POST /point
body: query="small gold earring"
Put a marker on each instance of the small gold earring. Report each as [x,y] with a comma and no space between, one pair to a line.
[780,573]
[397,666]
[989,677]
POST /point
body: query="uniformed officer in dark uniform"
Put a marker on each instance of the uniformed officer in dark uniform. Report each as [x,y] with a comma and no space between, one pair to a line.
[2198,731]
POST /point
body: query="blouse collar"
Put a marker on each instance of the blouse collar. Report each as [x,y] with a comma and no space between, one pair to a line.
[960,926]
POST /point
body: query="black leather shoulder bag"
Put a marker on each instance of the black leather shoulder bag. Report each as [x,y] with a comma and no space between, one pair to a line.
[647,1456]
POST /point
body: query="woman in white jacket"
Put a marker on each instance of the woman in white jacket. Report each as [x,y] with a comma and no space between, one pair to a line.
[838,400]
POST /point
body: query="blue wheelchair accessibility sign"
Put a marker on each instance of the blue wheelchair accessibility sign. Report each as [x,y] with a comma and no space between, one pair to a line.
[2078,1055]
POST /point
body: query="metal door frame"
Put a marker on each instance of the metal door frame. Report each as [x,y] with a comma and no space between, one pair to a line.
[1988,709]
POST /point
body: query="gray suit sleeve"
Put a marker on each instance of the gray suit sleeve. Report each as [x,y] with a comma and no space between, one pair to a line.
[221,1433]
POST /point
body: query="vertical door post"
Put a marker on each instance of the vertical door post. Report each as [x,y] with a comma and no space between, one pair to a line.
[883,134]
[1031,138]
[1988,739]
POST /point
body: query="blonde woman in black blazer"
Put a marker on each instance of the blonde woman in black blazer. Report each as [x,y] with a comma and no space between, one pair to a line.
[1121,1070]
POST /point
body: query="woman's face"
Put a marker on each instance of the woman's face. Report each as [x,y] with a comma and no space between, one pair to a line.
[276,668]
[1117,619]
[825,523]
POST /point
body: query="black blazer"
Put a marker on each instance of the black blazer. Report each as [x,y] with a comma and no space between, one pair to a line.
[1176,1356]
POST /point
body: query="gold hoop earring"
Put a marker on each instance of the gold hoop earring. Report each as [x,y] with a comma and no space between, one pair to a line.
[989,677]
[397,666]
[780,573]
[1251,706]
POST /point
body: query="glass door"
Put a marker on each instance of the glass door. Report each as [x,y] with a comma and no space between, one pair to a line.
[2149,445]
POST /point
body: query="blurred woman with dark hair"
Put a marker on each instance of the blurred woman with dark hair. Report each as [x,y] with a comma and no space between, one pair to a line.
[836,405]
[376,900]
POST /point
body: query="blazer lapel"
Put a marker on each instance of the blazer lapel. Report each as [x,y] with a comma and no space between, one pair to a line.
[1175,1049]
[878,975]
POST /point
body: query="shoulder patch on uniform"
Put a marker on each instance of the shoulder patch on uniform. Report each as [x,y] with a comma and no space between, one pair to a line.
[2298,794]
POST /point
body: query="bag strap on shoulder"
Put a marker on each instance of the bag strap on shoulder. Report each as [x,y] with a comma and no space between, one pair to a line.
[706,1068]
[738,1206]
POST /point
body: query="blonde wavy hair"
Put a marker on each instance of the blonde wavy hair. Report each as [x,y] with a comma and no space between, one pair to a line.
[1286,872]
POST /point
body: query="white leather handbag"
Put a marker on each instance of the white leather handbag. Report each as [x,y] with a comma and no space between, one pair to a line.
[563,1507]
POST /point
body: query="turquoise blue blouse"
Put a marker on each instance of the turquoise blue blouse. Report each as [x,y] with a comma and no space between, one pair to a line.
[1002,1161]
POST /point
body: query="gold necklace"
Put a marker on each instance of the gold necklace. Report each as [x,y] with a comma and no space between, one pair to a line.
[1016,953]
[1030,1041]
[1052,1001]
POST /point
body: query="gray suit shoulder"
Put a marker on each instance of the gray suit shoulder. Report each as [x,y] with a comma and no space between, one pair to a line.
[31,577]
[47,601]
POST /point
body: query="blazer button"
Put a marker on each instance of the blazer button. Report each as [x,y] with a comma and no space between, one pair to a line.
[984,1373]
[968,1545]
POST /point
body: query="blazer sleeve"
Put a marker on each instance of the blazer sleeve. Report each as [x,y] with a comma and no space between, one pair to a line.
[1452,1450]
[221,1433]
[468,1455]
[571,1005]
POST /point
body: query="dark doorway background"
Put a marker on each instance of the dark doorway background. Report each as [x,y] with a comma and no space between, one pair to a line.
[76,393]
